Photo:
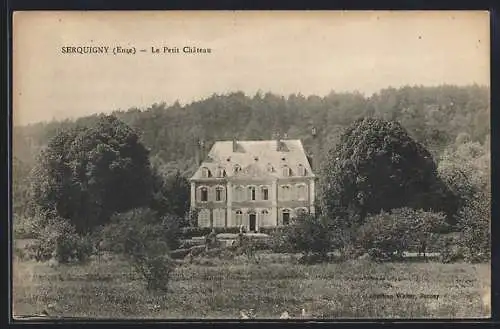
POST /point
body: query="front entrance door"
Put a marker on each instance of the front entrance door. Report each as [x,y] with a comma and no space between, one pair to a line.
[252,219]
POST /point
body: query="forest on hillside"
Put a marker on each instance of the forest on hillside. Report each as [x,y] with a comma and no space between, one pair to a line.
[434,116]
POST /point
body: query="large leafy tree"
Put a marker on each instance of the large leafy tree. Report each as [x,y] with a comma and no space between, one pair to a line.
[88,173]
[378,166]
[171,194]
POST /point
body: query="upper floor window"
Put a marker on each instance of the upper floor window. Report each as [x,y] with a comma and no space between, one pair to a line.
[270,167]
[205,173]
[236,169]
[221,172]
[252,193]
[219,193]
[203,194]
[286,171]
[265,193]
[301,170]
[239,193]
[301,192]
[285,192]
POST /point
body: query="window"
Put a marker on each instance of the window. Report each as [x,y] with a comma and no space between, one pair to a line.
[270,167]
[286,216]
[285,192]
[251,193]
[204,218]
[219,193]
[239,217]
[239,194]
[301,170]
[221,172]
[265,217]
[301,192]
[286,171]
[203,194]
[301,211]
[219,218]
[205,173]
[236,169]
[265,193]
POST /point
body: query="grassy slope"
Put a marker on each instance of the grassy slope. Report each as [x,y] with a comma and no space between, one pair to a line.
[109,289]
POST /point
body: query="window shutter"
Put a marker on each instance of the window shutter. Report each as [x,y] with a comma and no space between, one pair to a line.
[223,194]
[198,194]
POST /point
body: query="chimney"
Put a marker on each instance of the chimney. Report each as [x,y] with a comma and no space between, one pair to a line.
[235,145]
[278,142]
[200,151]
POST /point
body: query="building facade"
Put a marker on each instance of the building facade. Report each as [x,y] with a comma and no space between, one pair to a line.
[253,183]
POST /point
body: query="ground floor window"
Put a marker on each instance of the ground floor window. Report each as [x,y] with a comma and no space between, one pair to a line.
[286,217]
[204,218]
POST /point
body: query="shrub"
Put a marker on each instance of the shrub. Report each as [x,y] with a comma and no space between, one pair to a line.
[142,239]
[58,239]
[383,236]
[308,234]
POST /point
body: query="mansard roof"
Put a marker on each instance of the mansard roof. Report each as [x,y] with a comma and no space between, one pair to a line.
[255,158]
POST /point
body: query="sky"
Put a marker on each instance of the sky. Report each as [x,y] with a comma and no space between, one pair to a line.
[281,52]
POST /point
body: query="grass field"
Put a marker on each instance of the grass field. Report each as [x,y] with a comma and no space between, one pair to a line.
[221,289]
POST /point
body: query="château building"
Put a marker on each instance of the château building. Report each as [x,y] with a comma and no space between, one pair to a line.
[253,183]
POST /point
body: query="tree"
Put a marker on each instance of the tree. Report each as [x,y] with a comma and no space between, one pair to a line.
[88,173]
[171,195]
[378,166]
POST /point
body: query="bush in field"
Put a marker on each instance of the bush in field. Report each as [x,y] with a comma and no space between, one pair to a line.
[383,236]
[425,227]
[308,234]
[143,239]
[58,239]
[475,230]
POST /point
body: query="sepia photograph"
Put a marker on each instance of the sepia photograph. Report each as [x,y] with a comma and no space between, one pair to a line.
[250,165]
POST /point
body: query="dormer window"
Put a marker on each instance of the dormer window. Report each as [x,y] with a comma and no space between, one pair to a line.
[221,172]
[287,172]
[205,173]
[301,170]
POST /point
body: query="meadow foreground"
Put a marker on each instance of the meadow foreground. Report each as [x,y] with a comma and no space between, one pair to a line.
[270,285]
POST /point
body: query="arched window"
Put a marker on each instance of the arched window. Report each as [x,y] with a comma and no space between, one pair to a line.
[286,216]
[239,194]
[264,192]
[286,171]
[203,194]
[239,217]
[219,193]
[205,173]
[285,192]
[301,170]
[221,172]
[301,192]
[265,217]
[236,168]
[301,211]
[252,193]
